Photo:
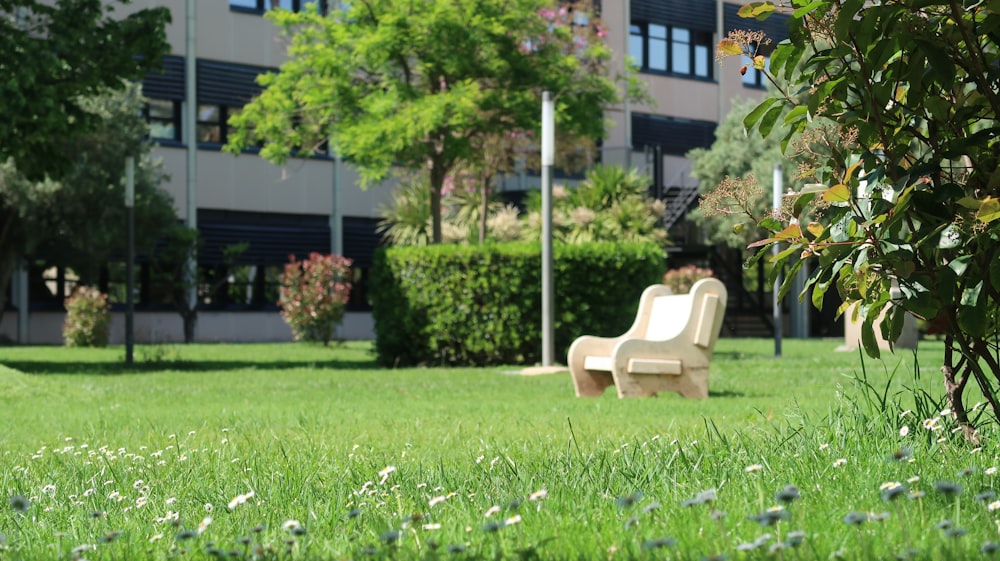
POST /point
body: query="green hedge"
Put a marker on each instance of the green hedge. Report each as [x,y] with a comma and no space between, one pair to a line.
[481,305]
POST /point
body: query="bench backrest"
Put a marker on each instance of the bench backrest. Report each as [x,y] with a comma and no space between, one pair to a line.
[696,312]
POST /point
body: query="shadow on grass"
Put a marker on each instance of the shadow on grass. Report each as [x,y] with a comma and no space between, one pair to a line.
[725,393]
[117,367]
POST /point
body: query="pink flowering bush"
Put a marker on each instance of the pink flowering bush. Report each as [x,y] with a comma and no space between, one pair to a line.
[681,280]
[88,318]
[314,295]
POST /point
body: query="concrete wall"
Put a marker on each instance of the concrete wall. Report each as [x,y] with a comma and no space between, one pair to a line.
[45,328]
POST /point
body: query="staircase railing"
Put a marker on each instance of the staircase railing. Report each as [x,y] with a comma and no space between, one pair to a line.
[741,301]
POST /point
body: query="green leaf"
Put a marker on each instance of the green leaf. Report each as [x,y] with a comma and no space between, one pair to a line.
[770,224]
[756,10]
[837,194]
[753,116]
[989,210]
[768,120]
[807,9]
[868,340]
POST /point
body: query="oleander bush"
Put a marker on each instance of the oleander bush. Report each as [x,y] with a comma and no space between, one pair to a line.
[314,294]
[88,318]
[681,279]
[481,305]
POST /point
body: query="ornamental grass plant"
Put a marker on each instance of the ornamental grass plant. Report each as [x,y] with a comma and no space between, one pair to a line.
[304,452]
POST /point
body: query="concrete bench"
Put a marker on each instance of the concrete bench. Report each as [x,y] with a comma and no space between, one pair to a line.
[668,348]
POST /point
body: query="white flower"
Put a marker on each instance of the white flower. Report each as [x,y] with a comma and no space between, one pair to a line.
[291,525]
[240,499]
[155,538]
[436,500]
[209,507]
[932,423]
[839,462]
[905,413]
[904,430]
[432,526]
[386,471]
[889,485]
[913,479]
[990,470]
[491,511]
[516,519]
[753,468]
[538,495]
[945,412]
[993,506]
[204,524]
[824,446]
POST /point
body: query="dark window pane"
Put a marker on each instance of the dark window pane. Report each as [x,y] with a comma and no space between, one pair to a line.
[251,4]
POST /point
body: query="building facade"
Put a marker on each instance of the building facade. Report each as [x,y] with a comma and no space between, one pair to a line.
[316,204]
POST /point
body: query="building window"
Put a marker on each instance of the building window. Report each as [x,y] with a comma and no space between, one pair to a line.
[261,6]
[663,49]
[754,78]
[164,118]
[213,123]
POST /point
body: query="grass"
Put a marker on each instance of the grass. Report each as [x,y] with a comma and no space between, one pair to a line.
[341,459]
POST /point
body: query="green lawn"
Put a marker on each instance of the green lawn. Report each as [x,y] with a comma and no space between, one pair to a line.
[408,463]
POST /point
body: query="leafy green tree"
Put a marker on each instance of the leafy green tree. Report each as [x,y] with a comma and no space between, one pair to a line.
[907,156]
[422,84]
[80,221]
[734,154]
[55,53]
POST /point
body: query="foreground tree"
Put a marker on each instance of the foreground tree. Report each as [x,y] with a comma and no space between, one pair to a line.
[906,156]
[55,53]
[423,84]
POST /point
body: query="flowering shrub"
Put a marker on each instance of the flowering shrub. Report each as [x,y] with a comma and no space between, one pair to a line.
[681,280]
[314,295]
[88,318]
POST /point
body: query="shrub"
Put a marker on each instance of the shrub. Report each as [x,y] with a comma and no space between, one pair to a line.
[480,305]
[88,318]
[314,295]
[681,280]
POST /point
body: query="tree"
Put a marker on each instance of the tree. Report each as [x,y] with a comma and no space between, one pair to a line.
[422,84]
[87,220]
[80,221]
[733,155]
[52,55]
[907,154]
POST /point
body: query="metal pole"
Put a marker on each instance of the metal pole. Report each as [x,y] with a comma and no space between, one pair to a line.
[548,158]
[775,302]
[21,300]
[336,214]
[626,106]
[190,123]
[130,263]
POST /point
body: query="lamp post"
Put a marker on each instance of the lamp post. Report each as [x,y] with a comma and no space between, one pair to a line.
[129,264]
[548,293]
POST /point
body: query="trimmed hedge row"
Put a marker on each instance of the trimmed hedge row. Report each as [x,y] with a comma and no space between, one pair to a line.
[481,305]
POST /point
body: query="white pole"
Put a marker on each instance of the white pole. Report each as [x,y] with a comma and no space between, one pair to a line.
[190,123]
[775,302]
[626,106]
[548,294]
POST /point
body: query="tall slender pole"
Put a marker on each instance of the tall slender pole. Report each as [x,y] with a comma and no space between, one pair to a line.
[626,106]
[775,301]
[130,263]
[548,293]
[190,123]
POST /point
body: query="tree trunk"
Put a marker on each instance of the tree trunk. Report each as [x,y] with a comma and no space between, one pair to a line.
[437,173]
[484,201]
